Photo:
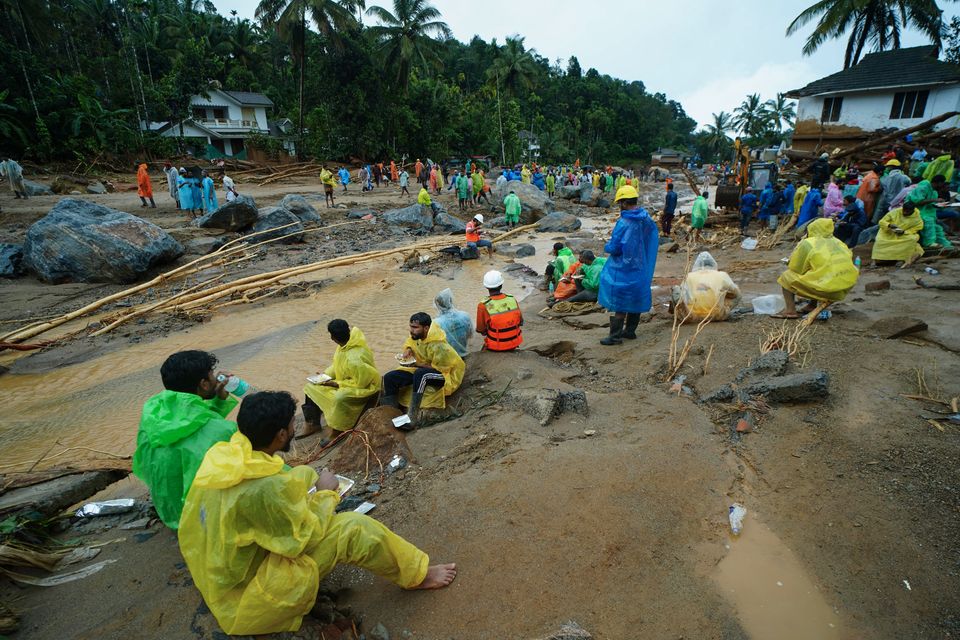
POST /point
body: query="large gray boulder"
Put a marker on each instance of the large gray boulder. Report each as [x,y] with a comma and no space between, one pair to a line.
[11,256]
[559,221]
[446,222]
[360,214]
[415,217]
[37,188]
[81,241]
[572,192]
[300,207]
[535,203]
[586,193]
[233,216]
[271,220]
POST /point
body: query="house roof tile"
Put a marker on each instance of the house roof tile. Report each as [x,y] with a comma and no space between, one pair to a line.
[250,98]
[912,66]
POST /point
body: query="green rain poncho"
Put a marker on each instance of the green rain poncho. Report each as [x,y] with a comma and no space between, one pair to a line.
[931,233]
[591,274]
[698,214]
[477,183]
[512,207]
[941,166]
[463,187]
[358,379]
[257,543]
[176,430]
[561,263]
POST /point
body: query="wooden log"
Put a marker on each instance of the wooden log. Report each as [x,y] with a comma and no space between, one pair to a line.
[896,134]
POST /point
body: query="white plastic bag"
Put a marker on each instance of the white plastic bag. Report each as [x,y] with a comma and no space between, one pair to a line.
[768,305]
[749,244]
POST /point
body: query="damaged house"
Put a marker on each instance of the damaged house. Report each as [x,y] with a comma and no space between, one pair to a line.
[888,90]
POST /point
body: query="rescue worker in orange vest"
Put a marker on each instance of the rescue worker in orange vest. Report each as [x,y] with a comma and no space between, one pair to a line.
[473,235]
[498,317]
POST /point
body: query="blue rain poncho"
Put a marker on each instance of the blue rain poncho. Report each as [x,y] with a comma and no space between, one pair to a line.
[186,194]
[539,181]
[454,322]
[810,208]
[344,176]
[627,275]
[209,195]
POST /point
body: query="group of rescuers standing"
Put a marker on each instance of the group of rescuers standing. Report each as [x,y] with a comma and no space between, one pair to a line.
[258,535]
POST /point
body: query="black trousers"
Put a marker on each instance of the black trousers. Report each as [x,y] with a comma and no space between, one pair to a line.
[420,379]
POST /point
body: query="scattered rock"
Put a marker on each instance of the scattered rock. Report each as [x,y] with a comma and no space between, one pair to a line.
[796,387]
[141,523]
[233,216]
[582,244]
[569,631]
[300,207]
[771,363]
[379,632]
[203,246]
[726,393]
[446,222]
[498,222]
[897,327]
[271,219]
[96,188]
[83,241]
[586,194]
[360,214]
[559,221]
[11,256]
[535,203]
[413,217]
[547,404]
[37,188]
[880,285]
[516,250]
[672,248]
[524,374]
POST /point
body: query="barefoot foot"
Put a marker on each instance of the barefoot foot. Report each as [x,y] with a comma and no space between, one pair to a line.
[438,576]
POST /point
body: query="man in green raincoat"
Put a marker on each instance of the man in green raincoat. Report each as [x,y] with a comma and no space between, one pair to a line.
[924,196]
[177,428]
[587,277]
[463,191]
[512,209]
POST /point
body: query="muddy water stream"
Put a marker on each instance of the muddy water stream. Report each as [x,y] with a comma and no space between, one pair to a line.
[771,592]
[96,402]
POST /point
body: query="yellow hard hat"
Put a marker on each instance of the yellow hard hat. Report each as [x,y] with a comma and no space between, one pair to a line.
[893,162]
[626,192]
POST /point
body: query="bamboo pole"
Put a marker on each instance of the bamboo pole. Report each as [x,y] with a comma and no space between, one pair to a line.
[896,134]
[150,307]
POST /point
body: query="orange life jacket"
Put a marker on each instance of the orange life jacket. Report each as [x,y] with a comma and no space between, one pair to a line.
[472,235]
[503,330]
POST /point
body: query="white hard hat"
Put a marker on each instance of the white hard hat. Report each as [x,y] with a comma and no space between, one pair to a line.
[493,279]
[478,217]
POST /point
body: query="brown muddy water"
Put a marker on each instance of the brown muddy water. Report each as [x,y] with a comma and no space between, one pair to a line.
[96,403]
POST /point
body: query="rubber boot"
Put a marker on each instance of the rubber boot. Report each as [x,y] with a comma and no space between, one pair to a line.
[630,326]
[390,401]
[616,329]
[413,412]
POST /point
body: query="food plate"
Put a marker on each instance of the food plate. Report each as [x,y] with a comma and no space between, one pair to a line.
[319,378]
[345,485]
[405,361]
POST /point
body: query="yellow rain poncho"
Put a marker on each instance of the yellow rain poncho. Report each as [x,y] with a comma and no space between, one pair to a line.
[799,197]
[706,291]
[821,267]
[525,175]
[257,544]
[358,379]
[437,351]
[889,245]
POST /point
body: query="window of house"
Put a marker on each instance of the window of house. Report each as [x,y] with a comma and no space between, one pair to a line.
[199,113]
[831,109]
[219,114]
[909,104]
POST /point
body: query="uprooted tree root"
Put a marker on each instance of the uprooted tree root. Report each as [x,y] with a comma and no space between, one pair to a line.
[792,338]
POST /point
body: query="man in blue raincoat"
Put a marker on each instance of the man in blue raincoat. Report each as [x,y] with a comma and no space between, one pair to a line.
[209,193]
[344,178]
[627,275]
[185,187]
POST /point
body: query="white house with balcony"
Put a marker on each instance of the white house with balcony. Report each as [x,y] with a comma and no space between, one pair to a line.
[886,90]
[225,119]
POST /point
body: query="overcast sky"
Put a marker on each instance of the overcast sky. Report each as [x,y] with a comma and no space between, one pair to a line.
[707,55]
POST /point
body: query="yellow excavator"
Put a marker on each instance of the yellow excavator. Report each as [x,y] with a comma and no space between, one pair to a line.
[746,172]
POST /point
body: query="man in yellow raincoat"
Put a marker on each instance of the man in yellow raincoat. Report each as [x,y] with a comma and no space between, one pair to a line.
[820,269]
[432,370]
[258,536]
[352,380]
[526,176]
[899,235]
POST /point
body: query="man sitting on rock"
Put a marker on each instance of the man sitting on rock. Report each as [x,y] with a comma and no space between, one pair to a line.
[352,381]
[474,232]
[587,277]
[258,536]
[178,426]
[499,319]
[431,370]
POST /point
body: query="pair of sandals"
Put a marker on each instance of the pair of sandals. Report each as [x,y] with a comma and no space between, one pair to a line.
[808,308]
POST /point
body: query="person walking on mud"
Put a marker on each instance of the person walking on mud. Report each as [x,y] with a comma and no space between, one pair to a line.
[326,177]
[404,181]
[627,275]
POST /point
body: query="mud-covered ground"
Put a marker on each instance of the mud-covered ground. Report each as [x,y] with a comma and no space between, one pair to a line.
[624,530]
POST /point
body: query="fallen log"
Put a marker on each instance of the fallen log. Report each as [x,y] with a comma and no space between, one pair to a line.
[896,134]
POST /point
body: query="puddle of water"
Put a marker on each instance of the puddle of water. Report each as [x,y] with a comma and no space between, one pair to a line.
[96,403]
[772,594]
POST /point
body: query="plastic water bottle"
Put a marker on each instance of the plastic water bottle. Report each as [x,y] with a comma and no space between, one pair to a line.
[856,263]
[932,271]
[737,512]
[235,385]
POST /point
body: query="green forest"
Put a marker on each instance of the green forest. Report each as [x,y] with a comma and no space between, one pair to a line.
[370,82]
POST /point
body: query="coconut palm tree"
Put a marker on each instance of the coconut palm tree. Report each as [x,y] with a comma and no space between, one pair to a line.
[717,138]
[289,19]
[407,36]
[749,117]
[780,111]
[515,67]
[875,22]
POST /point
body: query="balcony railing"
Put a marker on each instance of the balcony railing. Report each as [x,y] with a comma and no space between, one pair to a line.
[225,123]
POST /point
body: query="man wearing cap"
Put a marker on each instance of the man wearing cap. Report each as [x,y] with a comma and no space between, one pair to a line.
[474,232]
[893,182]
[512,207]
[627,275]
[499,320]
